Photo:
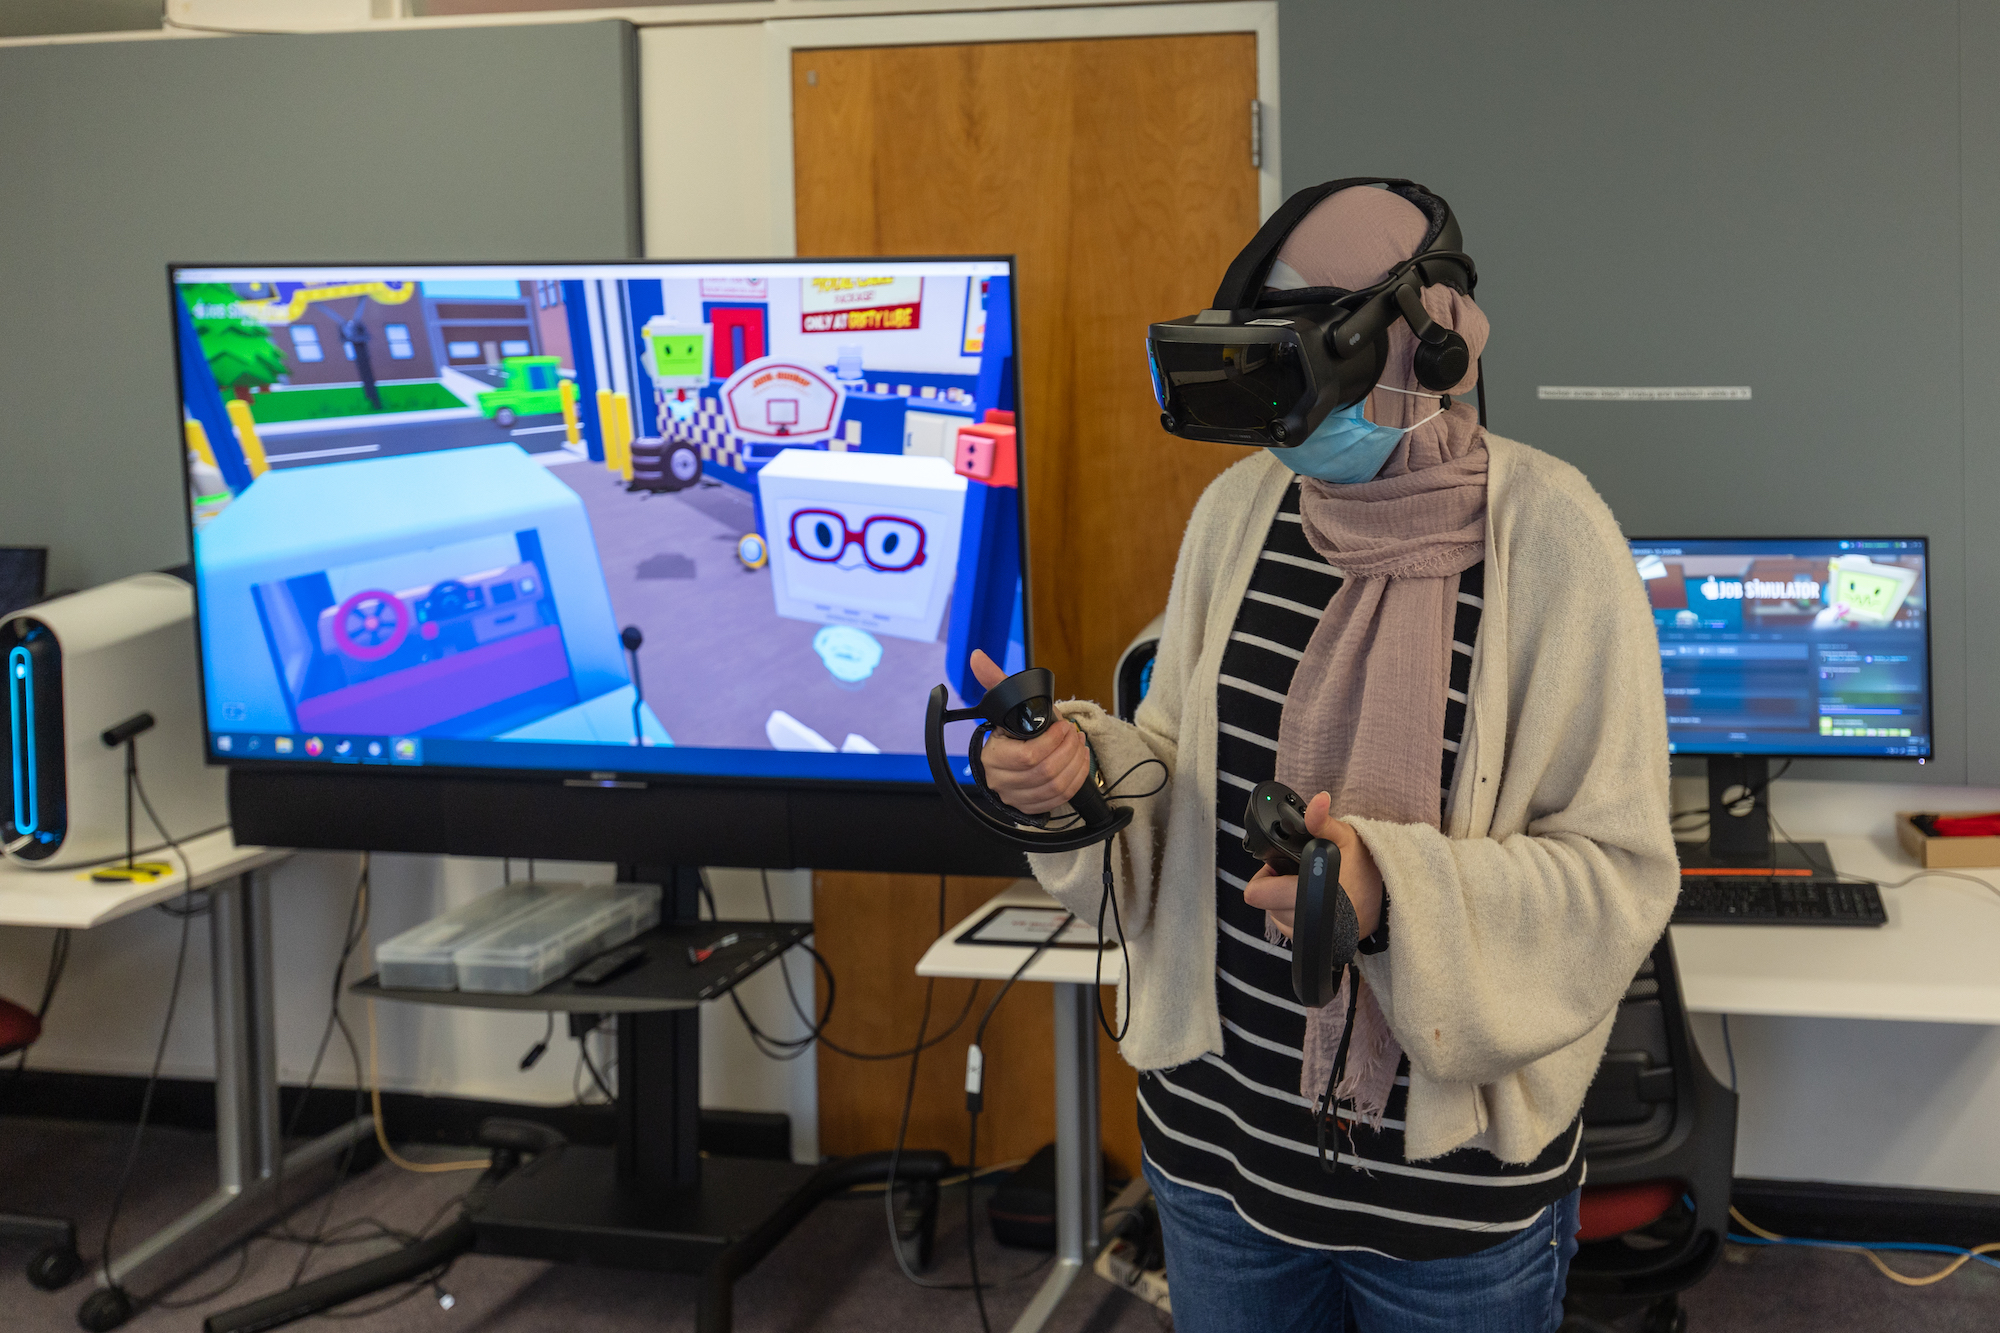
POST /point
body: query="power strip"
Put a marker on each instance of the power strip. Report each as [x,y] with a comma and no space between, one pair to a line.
[1118,1262]
[1115,1265]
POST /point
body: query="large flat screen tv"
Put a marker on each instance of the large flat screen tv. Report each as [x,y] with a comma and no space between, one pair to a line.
[706,530]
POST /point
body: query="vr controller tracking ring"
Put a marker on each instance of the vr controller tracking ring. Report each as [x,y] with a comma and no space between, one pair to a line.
[1021,707]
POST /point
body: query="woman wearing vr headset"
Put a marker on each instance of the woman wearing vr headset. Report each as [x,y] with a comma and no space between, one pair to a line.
[1438,636]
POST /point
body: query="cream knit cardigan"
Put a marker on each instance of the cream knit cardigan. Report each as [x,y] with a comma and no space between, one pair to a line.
[1514,932]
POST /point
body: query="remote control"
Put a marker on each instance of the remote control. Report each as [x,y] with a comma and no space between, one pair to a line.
[608,965]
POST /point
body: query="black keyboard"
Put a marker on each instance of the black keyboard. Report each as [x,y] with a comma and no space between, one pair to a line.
[1757,900]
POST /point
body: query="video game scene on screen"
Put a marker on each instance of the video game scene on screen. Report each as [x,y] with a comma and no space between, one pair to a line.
[1798,646]
[754,508]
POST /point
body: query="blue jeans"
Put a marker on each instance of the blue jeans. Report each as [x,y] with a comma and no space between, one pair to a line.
[1224,1275]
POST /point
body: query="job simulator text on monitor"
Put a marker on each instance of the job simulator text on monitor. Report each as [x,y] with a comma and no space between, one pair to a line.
[1794,647]
[708,519]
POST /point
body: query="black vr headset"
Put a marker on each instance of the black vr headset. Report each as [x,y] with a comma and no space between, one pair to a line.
[1265,368]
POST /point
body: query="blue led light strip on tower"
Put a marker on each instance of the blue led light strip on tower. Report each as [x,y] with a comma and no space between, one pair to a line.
[21,709]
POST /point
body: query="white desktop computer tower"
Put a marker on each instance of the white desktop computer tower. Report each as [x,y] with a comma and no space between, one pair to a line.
[75,667]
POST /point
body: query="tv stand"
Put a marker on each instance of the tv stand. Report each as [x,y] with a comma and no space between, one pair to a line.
[653,1201]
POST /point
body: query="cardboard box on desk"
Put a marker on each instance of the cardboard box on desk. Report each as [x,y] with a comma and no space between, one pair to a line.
[1946,853]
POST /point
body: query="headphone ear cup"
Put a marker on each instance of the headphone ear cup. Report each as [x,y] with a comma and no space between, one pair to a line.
[1440,365]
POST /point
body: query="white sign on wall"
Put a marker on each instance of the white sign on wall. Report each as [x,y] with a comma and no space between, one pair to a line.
[735,289]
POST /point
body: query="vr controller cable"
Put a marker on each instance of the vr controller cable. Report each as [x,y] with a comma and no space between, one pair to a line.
[975,1100]
[1109,897]
[1328,1109]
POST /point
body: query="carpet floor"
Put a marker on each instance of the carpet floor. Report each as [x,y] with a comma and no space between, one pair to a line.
[833,1274]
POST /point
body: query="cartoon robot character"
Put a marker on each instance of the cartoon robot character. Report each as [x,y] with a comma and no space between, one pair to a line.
[676,357]
[869,540]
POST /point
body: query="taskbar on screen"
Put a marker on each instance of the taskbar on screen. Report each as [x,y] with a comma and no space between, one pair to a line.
[559,757]
[1809,747]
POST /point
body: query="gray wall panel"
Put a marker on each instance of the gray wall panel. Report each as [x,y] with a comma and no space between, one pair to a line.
[1707,194]
[116,158]
[1979,82]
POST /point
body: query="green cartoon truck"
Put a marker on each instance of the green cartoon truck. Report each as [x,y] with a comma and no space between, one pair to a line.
[532,385]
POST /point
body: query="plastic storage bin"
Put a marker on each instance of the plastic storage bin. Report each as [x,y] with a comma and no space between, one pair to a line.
[527,952]
[420,958]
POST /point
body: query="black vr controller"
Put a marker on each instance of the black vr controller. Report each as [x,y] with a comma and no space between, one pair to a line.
[1325,931]
[1023,707]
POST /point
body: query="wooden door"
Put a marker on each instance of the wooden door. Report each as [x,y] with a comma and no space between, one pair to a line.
[1118,173]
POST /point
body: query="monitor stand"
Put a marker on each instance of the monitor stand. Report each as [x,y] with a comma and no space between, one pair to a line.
[1743,841]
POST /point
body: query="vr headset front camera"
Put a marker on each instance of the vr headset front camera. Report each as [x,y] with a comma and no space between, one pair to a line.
[1265,368]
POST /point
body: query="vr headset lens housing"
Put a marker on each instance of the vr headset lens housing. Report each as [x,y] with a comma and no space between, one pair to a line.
[1246,383]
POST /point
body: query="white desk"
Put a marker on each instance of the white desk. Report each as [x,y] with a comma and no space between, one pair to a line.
[1079,1147]
[255,1181]
[1937,961]
[71,900]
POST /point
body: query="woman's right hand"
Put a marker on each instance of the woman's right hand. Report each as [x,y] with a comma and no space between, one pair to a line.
[1034,776]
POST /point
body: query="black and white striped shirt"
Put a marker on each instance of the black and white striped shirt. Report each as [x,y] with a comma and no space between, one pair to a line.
[1235,1124]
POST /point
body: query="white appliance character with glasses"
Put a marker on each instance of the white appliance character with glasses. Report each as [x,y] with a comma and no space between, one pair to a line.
[863,539]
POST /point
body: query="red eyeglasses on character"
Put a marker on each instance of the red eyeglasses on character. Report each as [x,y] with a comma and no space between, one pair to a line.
[890,545]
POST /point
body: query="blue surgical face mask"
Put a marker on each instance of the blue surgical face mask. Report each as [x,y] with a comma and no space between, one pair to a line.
[1347,447]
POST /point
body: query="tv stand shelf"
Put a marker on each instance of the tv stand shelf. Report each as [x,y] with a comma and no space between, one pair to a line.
[664,981]
[654,1201]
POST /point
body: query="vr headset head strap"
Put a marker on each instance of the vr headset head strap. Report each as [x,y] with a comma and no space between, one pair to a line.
[1245,278]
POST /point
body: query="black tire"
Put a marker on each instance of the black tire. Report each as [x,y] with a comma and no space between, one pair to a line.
[54,1267]
[104,1309]
[505,417]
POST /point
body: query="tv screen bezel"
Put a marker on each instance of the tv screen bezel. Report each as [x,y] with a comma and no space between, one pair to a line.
[601,777]
[1930,693]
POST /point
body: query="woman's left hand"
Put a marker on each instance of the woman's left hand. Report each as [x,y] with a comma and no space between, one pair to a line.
[1278,894]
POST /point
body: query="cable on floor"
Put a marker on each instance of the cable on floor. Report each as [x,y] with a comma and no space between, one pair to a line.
[1759,1236]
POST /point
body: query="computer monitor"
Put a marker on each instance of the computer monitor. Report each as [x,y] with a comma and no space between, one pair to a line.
[24,572]
[704,527]
[1789,648]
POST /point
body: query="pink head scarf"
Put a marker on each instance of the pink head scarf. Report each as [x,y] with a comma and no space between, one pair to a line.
[1352,240]
[1364,718]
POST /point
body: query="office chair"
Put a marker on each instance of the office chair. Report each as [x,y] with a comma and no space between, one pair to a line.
[1659,1138]
[57,1262]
